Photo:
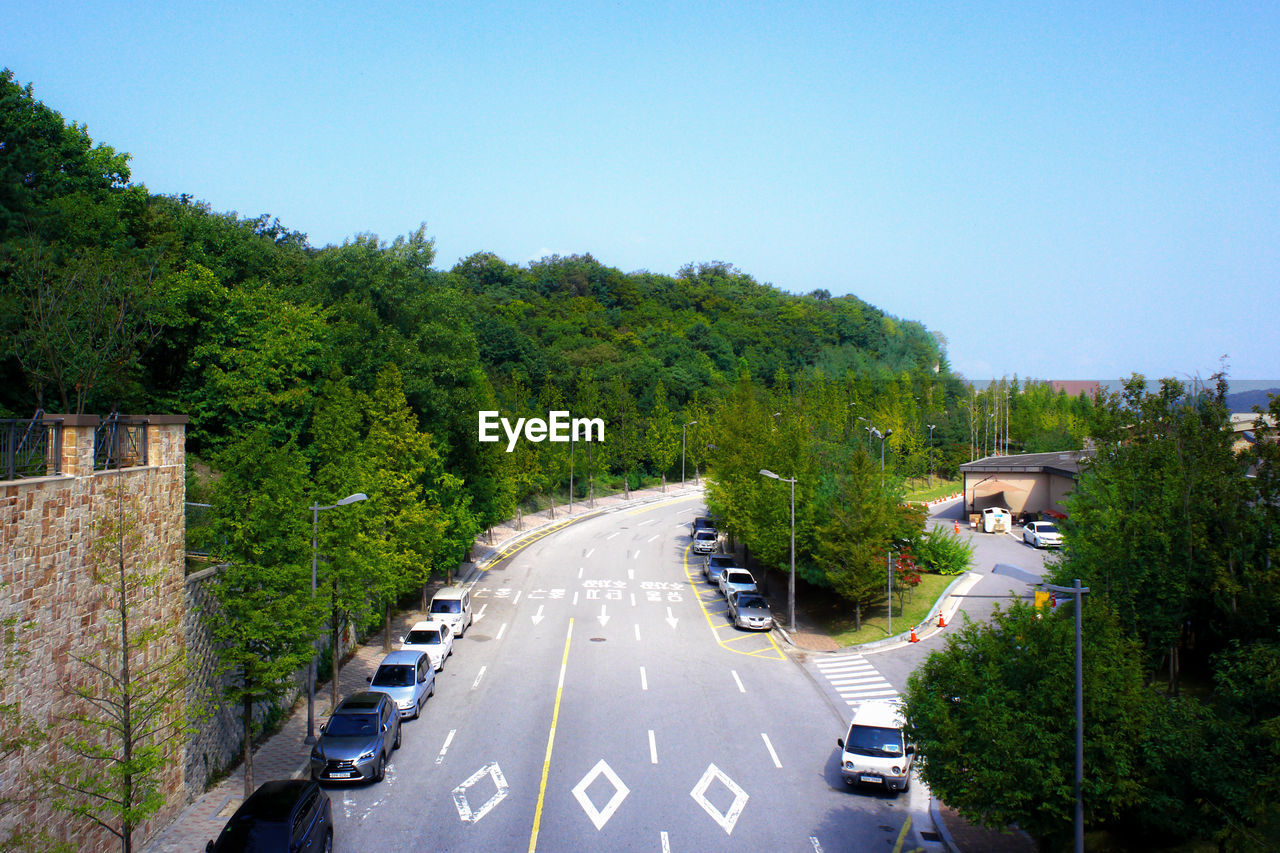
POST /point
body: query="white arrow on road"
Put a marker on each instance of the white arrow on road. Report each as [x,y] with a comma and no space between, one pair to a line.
[603,617]
[480,612]
[537,617]
[671,620]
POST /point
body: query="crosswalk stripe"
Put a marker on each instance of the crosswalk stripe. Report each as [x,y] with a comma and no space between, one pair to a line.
[855,679]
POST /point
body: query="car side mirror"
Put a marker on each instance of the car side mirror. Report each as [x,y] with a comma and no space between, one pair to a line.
[385,727]
[840,742]
[401,641]
[323,726]
[208,847]
[911,750]
[369,679]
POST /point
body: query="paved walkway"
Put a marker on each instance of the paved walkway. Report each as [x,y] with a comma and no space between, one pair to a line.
[285,754]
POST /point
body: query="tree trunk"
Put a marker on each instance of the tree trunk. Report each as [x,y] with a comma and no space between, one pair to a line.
[336,657]
[246,719]
[857,617]
[519,517]
[664,482]
[553,504]
[386,627]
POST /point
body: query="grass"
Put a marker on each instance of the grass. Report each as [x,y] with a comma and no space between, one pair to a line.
[836,617]
[918,488]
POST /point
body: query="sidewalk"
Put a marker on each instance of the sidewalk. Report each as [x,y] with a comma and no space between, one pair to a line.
[285,754]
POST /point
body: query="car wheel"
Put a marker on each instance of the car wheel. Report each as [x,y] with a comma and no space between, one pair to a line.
[380,769]
[432,691]
[328,841]
[399,733]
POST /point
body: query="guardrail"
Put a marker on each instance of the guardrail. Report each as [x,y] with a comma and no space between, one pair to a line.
[30,448]
[119,442]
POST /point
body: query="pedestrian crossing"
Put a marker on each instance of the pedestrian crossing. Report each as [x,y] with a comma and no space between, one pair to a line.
[855,679]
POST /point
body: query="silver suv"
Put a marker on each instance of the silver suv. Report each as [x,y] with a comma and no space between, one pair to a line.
[408,677]
[357,741]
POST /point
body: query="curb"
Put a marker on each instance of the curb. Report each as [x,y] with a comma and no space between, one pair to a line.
[971,578]
[940,826]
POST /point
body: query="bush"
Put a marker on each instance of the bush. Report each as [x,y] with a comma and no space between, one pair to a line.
[939,550]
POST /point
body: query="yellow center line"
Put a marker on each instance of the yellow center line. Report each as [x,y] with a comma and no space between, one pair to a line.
[551,739]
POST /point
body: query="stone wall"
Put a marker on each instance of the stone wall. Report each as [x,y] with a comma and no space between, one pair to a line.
[47,587]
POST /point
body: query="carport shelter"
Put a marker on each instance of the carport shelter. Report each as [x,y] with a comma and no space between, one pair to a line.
[1025,482]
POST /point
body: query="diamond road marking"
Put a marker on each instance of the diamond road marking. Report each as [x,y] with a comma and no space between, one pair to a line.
[600,817]
[460,793]
[699,794]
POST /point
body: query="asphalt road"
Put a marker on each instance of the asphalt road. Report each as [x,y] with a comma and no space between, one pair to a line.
[602,702]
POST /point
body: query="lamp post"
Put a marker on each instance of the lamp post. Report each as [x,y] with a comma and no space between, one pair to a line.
[682,446]
[315,528]
[882,436]
[931,428]
[791,584]
[1077,591]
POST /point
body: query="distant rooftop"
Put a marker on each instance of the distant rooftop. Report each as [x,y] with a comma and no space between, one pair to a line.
[1064,462]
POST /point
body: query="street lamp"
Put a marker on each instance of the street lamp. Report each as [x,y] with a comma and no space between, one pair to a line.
[682,446]
[882,436]
[311,681]
[931,428]
[1077,591]
[791,586]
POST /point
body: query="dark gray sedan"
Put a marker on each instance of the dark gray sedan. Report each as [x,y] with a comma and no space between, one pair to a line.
[750,610]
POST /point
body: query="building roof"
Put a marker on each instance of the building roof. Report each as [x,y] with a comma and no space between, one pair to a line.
[1064,462]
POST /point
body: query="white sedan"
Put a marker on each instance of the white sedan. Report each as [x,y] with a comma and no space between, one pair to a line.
[431,637]
[1042,534]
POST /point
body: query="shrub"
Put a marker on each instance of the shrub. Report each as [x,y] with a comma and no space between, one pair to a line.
[941,551]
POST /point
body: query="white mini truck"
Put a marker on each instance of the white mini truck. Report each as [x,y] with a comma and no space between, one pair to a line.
[875,751]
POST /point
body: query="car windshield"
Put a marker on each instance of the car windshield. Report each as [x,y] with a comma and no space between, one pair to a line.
[745,601]
[352,725]
[738,577]
[393,675]
[1046,527]
[423,638]
[254,835]
[874,741]
[706,535]
[448,605]
[722,561]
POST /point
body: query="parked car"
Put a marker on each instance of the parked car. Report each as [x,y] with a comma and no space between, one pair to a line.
[357,740]
[452,606]
[702,522]
[408,677]
[283,815]
[750,610]
[715,566]
[739,580]
[432,637]
[875,752]
[705,541]
[1042,534]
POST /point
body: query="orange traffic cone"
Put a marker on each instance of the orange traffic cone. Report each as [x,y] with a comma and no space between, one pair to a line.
[957,527]
[942,623]
[914,638]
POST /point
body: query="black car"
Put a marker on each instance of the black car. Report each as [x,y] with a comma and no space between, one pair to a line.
[702,522]
[283,816]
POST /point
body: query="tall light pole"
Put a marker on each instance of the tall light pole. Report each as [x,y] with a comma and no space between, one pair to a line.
[682,446]
[791,584]
[1077,591]
[315,529]
[882,436]
[931,428]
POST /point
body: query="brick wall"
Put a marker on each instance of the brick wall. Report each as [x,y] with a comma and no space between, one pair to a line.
[45,526]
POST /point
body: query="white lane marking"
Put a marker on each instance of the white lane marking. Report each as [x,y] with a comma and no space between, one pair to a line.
[479,675]
[460,793]
[633,599]
[537,617]
[817,848]
[448,740]
[631,574]
[671,620]
[613,534]
[643,523]
[480,612]
[589,553]
[637,632]
[516,600]
[644,680]
[603,617]
[772,754]
[666,842]
[580,568]
[738,681]
[501,631]
[653,749]
[636,555]
[727,820]
[599,817]
[653,537]
[575,598]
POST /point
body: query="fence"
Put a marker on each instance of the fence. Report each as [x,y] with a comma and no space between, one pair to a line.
[30,448]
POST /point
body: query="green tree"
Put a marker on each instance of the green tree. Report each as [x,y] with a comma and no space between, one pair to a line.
[662,436]
[130,685]
[265,620]
[994,705]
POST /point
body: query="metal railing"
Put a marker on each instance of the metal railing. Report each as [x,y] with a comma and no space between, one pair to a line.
[119,442]
[30,448]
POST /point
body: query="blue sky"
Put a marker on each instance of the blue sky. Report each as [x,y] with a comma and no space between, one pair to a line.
[1082,192]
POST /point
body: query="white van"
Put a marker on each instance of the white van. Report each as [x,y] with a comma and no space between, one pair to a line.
[875,752]
[452,606]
